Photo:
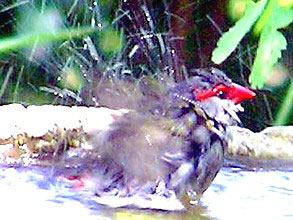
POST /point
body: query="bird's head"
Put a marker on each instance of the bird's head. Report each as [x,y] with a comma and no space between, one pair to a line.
[214,83]
[214,93]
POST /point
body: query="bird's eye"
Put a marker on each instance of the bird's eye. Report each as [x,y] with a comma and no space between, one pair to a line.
[218,91]
[221,94]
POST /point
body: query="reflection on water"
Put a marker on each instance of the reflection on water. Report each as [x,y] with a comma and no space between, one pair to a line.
[235,194]
[250,195]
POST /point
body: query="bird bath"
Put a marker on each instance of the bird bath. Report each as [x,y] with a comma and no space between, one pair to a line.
[235,194]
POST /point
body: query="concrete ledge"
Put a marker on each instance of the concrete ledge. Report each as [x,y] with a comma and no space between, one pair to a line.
[25,131]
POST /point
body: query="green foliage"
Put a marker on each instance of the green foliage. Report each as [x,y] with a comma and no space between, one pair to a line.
[286,107]
[111,41]
[268,16]
[43,27]
[50,45]
[71,78]
[236,8]
[21,41]
[269,51]
[271,43]
[230,40]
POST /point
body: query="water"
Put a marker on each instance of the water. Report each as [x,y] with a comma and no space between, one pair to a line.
[235,194]
[240,194]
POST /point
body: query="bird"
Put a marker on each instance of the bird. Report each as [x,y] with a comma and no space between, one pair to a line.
[170,142]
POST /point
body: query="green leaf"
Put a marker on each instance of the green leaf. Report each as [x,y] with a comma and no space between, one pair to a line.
[271,43]
[26,40]
[281,17]
[229,41]
[264,18]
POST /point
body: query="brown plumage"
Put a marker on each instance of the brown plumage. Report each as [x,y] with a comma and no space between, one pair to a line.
[172,140]
[167,140]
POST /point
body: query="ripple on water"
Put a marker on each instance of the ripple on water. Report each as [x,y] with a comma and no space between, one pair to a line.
[251,195]
[235,194]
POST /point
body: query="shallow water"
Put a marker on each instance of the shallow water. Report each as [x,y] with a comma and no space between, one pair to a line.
[250,195]
[235,194]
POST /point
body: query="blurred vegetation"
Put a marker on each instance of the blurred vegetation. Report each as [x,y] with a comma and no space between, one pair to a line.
[50,50]
[267,17]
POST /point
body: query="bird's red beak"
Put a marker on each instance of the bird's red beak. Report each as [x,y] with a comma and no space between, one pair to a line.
[235,93]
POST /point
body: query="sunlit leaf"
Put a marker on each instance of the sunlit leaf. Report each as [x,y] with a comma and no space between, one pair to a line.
[236,8]
[271,43]
[282,17]
[286,3]
[264,18]
[230,40]
[21,41]
[278,16]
